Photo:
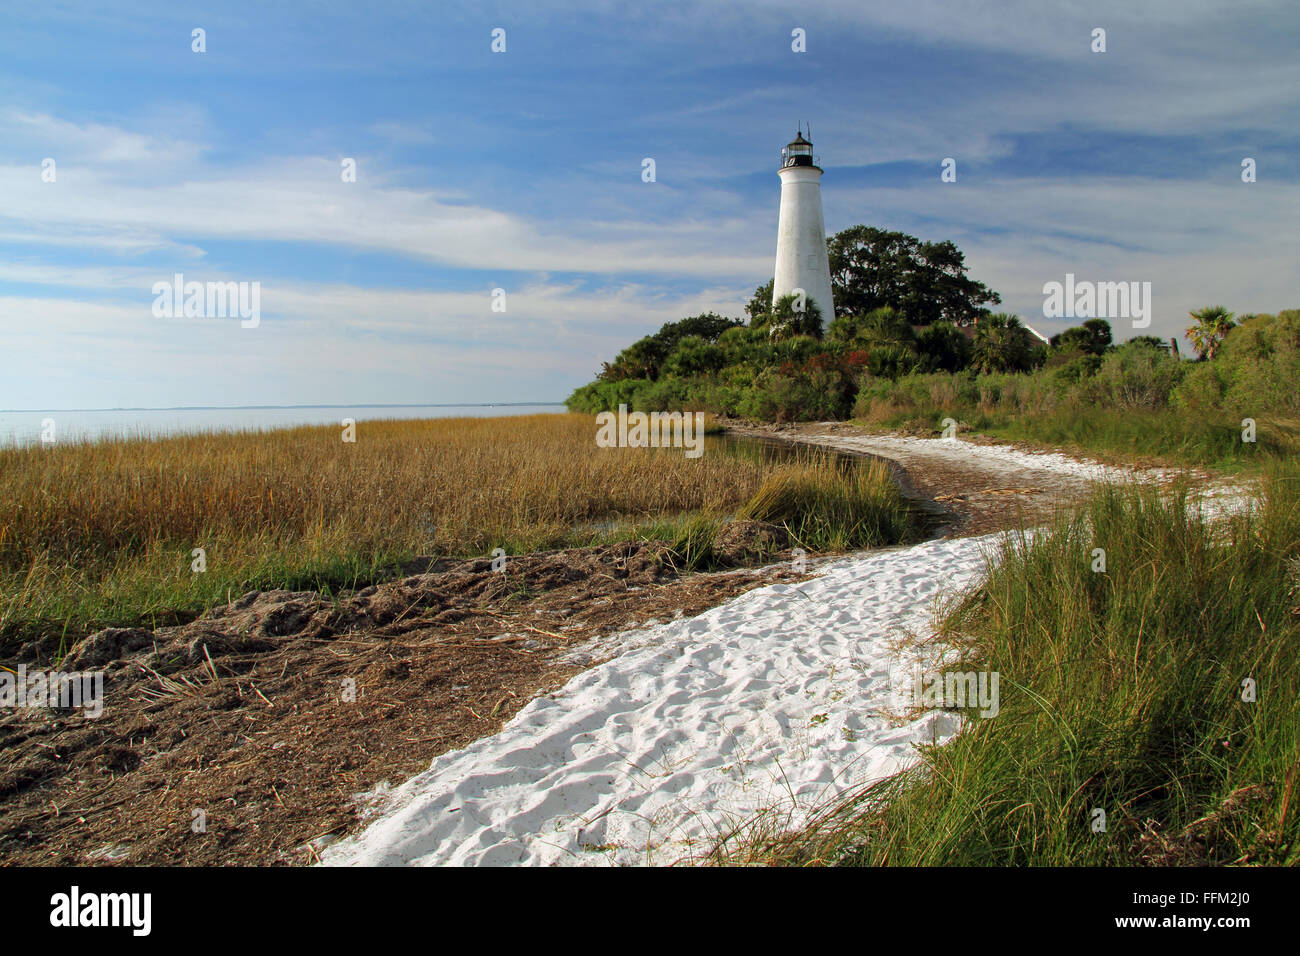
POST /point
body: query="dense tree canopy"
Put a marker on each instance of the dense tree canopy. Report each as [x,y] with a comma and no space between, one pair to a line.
[645,357]
[782,321]
[1093,337]
[882,326]
[1155,341]
[943,348]
[905,310]
[761,302]
[926,282]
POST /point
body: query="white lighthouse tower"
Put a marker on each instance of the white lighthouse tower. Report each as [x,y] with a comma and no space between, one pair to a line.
[801,261]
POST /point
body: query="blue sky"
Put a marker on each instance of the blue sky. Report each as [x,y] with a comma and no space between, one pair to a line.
[522,171]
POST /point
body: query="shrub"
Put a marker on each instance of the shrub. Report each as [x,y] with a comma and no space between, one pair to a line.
[1256,370]
[666,394]
[943,347]
[603,396]
[694,355]
[1135,376]
[792,397]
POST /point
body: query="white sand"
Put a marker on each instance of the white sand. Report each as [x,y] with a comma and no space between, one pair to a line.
[1050,472]
[775,701]
[911,451]
[776,697]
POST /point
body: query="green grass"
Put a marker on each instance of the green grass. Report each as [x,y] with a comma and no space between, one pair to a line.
[1174,437]
[824,509]
[1120,691]
[690,542]
[1169,436]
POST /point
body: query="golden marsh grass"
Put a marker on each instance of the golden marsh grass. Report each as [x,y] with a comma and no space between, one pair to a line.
[102,533]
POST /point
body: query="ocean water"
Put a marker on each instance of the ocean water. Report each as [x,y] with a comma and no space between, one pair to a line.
[27,427]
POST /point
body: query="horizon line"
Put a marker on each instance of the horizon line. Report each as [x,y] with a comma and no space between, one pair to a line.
[217,408]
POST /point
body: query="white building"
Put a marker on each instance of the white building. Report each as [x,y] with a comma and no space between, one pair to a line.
[801,261]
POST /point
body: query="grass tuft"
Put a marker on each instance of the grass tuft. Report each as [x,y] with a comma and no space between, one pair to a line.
[826,507]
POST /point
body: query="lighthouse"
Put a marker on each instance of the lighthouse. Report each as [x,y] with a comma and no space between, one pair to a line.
[801,261]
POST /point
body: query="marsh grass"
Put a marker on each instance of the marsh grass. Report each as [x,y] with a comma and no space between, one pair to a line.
[827,508]
[1120,691]
[99,534]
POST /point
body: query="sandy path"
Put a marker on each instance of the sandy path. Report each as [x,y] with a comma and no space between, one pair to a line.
[776,700]
[981,487]
[780,697]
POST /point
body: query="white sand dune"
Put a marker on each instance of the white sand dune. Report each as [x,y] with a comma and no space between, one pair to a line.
[777,700]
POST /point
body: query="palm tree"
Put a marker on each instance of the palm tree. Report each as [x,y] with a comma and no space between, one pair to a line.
[1213,323]
[1002,344]
[785,321]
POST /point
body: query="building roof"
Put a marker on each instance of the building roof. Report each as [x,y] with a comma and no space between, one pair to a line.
[1034,332]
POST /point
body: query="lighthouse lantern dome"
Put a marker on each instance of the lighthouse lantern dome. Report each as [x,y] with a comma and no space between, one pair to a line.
[798,152]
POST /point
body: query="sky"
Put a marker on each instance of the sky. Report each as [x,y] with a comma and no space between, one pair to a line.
[522,171]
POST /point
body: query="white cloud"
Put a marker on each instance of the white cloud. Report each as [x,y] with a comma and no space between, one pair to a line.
[101,144]
[305,200]
[331,343]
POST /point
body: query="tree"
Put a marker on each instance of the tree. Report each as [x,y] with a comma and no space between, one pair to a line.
[742,344]
[692,356]
[880,326]
[943,348]
[641,359]
[925,281]
[1002,344]
[1213,323]
[645,357]
[761,303]
[1154,341]
[1092,337]
[884,335]
[707,326]
[783,321]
